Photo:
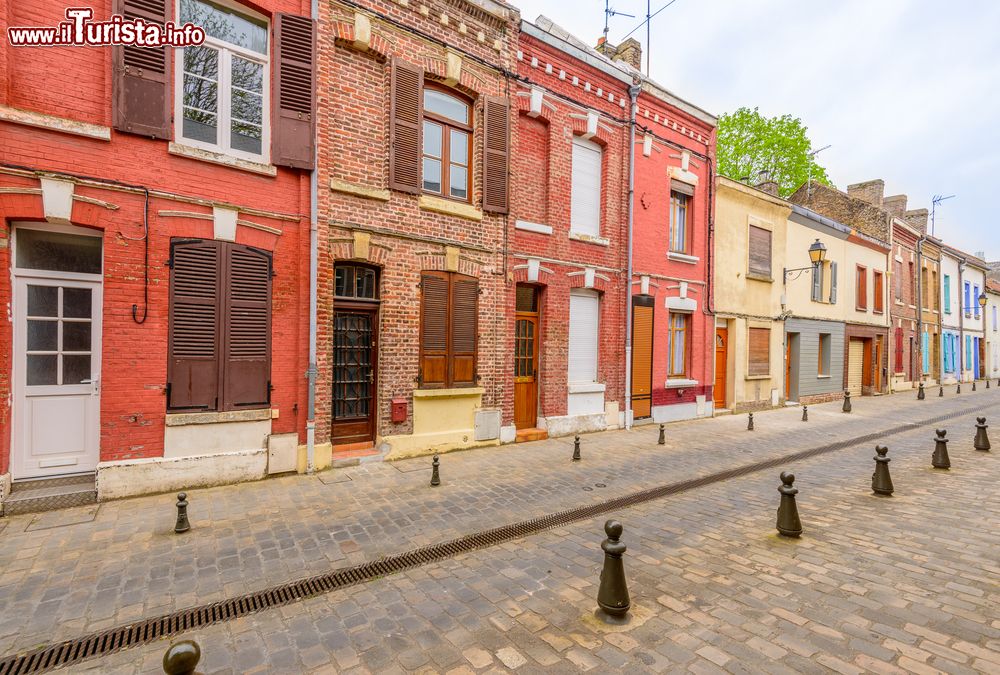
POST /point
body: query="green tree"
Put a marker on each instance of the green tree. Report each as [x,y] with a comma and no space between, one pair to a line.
[749,143]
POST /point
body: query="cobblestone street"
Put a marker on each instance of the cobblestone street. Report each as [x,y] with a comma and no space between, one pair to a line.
[909,583]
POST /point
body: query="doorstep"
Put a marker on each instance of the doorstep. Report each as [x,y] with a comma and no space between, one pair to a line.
[353,454]
[48,494]
[531,434]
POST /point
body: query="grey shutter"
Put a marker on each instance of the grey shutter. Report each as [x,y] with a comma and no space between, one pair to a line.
[193,325]
[406,126]
[294,125]
[247,320]
[833,283]
[817,283]
[141,79]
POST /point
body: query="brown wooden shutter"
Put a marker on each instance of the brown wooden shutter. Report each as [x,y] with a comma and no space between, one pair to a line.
[193,326]
[294,126]
[434,288]
[760,351]
[247,368]
[141,77]
[464,320]
[405,126]
[760,251]
[496,153]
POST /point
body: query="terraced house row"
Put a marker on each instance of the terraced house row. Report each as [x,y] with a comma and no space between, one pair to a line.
[358,230]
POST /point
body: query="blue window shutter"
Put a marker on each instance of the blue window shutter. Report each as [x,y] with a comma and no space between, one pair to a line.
[975,300]
[947,369]
[947,294]
[926,353]
[965,307]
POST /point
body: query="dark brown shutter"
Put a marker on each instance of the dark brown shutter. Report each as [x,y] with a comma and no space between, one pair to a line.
[247,328]
[141,77]
[294,127]
[760,351]
[193,331]
[434,329]
[760,251]
[405,126]
[464,315]
[496,151]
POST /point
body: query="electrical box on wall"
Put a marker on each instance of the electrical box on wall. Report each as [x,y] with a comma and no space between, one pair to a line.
[398,410]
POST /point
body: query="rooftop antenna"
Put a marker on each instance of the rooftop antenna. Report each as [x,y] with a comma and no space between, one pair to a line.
[608,13]
[934,202]
[809,181]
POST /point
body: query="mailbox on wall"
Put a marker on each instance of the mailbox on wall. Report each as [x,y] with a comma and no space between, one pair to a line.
[398,410]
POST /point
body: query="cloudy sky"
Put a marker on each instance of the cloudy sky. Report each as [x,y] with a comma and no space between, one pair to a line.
[903,90]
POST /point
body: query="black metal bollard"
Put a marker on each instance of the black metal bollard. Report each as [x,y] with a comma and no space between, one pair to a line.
[920,392]
[847,402]
[805,413]
[941,392]
[958,389]
[435,473]
[182,658]
[788,513]
[182,524]
[982,441]
[940,459]
[612,596]
[881,481]
[987,383]
[750,422]
[973,385]
[663,435]
[576,448]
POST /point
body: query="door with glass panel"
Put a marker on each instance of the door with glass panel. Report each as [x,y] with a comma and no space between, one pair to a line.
[57,354]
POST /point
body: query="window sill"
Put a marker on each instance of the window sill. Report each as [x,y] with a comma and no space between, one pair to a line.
[449,393]
[757,377]
[822,377]
[54,123]
[185,419]
[589,239]
[683,257]
[760,277]
[450,208]
[532,227]
[219,158]
[680,383]
[359,190]
[587,388]
[878,311]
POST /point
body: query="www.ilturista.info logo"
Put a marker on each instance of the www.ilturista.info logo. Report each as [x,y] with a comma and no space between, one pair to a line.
[80,30]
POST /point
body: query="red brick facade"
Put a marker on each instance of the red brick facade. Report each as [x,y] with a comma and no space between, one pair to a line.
[112,175]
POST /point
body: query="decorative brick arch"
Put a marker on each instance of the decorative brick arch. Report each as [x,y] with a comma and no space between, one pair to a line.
[344,36]
[438,262]
[605,135]
[579,280]
[545,275]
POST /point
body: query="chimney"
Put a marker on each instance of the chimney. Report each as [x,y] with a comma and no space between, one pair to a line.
[765,184]
[870,192]
[981,255]
[917,219]
[895,205]
[630,52]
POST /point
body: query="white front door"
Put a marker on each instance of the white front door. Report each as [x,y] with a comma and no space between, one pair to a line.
[57,368]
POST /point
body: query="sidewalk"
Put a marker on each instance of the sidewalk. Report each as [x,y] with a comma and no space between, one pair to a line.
[124,562]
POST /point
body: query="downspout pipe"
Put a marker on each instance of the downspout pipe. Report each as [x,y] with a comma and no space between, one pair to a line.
[633,93]
[961,320]
[311,370]
[920,307]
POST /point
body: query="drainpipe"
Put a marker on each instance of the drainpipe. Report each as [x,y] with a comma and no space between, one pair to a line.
[961,320]
[633,93]
[920,306]
[311,371]
[891,269]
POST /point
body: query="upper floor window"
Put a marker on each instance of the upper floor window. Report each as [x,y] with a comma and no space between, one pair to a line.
[679,213]
[878,292]
[947,294]
[968,303]
[585,199]
[975,301]
[447,151]
[222,93]
[760,252]
[862,289]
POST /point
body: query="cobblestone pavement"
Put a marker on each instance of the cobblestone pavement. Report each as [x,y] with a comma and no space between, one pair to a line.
[909,583]
[125,563]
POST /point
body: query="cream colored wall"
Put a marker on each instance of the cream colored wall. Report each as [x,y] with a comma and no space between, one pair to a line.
[856,254]
[742,303]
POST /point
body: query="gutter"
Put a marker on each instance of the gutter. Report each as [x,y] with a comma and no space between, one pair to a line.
[311,370]
[920,305]
[961,321]
[633,93]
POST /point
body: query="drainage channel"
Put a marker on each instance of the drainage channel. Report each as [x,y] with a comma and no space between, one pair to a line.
[130,635]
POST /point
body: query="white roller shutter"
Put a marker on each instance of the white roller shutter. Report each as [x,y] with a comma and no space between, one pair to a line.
[855,366]
[583,339]
[585,209]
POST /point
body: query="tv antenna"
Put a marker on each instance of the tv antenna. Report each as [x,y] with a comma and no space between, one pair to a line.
[934,202]
[809,180]
[610,12]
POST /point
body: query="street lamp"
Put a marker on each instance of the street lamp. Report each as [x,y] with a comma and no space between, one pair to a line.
[982,300]
[817,254]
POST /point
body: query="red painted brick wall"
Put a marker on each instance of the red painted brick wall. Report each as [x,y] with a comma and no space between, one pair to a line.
[75,83]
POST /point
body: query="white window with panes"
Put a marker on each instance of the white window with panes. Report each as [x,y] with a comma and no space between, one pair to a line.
[222,90]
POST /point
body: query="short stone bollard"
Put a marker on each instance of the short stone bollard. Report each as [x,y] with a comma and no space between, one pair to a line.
[576,448]
[940,459]
[847,402]
[435,471]
[982,441]
[750,422]
[920,392]
[182,658]
[612,595]
[788,513]
[941,392]
[663,435]
[805,413]
[881,481]
[182,524]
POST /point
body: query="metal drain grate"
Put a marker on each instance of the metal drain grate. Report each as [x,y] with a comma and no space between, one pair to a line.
[130,635]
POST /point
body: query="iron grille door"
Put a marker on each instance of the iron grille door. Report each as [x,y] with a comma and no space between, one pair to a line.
[353,371]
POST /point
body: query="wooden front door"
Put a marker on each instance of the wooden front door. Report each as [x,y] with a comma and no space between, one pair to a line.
[879,347]
[355,333]
[526,358]
[642,356]
[721,366]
